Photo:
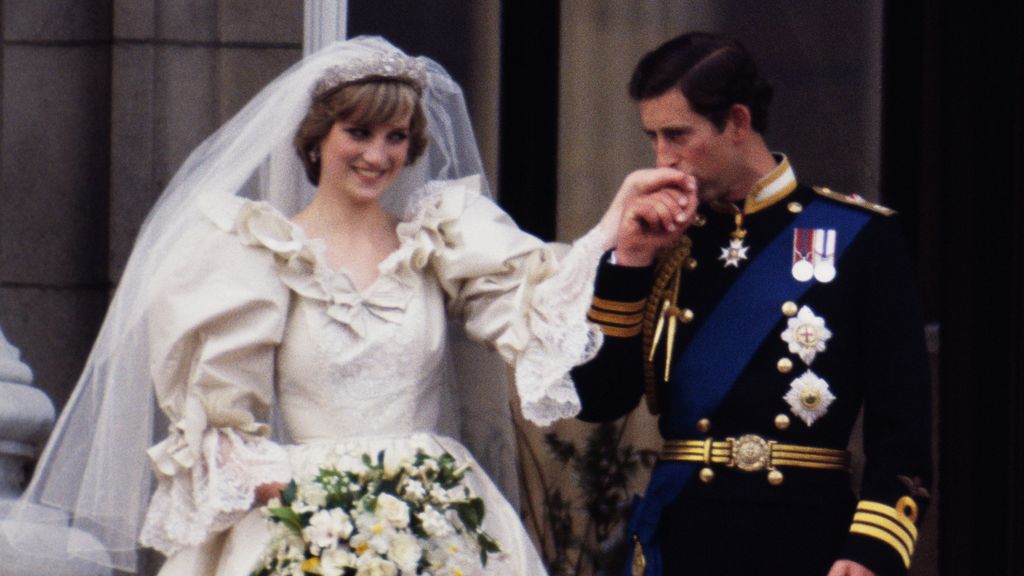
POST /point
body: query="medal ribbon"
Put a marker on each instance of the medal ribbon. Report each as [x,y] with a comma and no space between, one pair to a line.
[719,353]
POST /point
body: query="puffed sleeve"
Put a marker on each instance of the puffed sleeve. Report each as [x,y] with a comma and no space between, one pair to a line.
[215,321]
[513,291]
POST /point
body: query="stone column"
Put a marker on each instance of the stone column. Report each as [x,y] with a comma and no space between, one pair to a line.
[26,417]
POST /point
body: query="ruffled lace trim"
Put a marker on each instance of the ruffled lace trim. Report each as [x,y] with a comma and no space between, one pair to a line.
[554,328]
[302,267]
[552,333]
[561,335]
[214,492]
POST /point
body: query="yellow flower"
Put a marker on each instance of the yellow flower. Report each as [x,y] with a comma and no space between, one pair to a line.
[312,565]
[362,547]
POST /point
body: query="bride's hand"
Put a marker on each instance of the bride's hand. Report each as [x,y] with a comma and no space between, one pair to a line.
[652,208]
[266,492]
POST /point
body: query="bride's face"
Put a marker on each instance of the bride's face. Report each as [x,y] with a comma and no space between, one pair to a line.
[362,161]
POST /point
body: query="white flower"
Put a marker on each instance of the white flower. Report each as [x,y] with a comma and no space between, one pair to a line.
[393,510]
[430,465]
[806,334]
[434,523]
[809,397]
[375,566]
[300,506]
[351,463]
[414,490]
[438,494]
[405,552]
[334,562]
[326,527]
[373,532]
[313,493]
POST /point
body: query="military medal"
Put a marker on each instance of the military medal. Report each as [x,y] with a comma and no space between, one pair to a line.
[803,246]
[809,397]
[824,255]
[806,334]
[736,250]
[814,254]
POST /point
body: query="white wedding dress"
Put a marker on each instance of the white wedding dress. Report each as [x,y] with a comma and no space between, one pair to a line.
[250,320]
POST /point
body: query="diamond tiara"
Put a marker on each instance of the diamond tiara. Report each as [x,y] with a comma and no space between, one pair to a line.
[380,65]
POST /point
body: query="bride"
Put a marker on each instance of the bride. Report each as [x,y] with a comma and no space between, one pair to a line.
[281,323]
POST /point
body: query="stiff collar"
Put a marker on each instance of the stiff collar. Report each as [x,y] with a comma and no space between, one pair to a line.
[772,187]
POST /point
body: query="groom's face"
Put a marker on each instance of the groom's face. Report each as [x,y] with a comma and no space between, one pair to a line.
[687,141]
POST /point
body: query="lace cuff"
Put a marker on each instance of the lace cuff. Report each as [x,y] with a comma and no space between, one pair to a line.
[212,491]
[561,336]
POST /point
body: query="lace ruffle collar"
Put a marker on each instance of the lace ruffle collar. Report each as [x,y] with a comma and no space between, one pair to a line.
[431,225]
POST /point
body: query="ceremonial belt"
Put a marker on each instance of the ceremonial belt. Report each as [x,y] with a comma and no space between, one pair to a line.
[751,453]
[718,354]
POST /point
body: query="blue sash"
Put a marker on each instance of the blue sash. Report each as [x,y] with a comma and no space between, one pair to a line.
[719,353]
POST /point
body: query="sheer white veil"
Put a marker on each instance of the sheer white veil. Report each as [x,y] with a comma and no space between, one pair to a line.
[94,467]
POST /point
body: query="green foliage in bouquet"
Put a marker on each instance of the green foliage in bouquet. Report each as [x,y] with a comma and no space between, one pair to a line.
[411,516]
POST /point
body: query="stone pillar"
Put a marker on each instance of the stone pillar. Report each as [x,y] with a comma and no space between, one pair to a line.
[26,417]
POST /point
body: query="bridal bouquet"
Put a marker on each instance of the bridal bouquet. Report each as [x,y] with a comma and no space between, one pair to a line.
[381,517]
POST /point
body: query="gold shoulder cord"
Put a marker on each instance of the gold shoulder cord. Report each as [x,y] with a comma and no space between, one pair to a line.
[662,299]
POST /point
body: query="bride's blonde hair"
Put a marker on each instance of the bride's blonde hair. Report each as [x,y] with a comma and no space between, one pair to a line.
[366,103]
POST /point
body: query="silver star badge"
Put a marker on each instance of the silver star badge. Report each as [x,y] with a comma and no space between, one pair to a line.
[806,334]
[809,397]
[734,252]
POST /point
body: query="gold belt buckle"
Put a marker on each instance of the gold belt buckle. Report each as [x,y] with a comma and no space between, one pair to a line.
[750,453]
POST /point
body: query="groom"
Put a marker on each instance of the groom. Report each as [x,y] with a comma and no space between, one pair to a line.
[758,317]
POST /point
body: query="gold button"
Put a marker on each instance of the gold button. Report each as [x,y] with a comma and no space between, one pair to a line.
[782,422]
[795,207]
[703,425]
[707,475]
[686,315]
[775,478]
[784,365]
[699,220]
[691,264]
[789,308]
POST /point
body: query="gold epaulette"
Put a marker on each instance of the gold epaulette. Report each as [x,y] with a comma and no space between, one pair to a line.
[854,200]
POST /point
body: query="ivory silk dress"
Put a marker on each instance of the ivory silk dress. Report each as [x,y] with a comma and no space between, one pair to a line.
[250,321]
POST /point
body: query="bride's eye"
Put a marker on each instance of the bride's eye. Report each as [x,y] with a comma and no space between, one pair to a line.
[398,136]
[358,132]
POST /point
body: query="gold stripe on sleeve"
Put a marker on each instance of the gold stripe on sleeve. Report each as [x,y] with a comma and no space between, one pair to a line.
[884,536]
[620,332]
[889,525]
[615,306]
[614,318]
[889,512]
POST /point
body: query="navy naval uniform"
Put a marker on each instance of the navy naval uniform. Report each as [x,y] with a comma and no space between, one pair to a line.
[757,340]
